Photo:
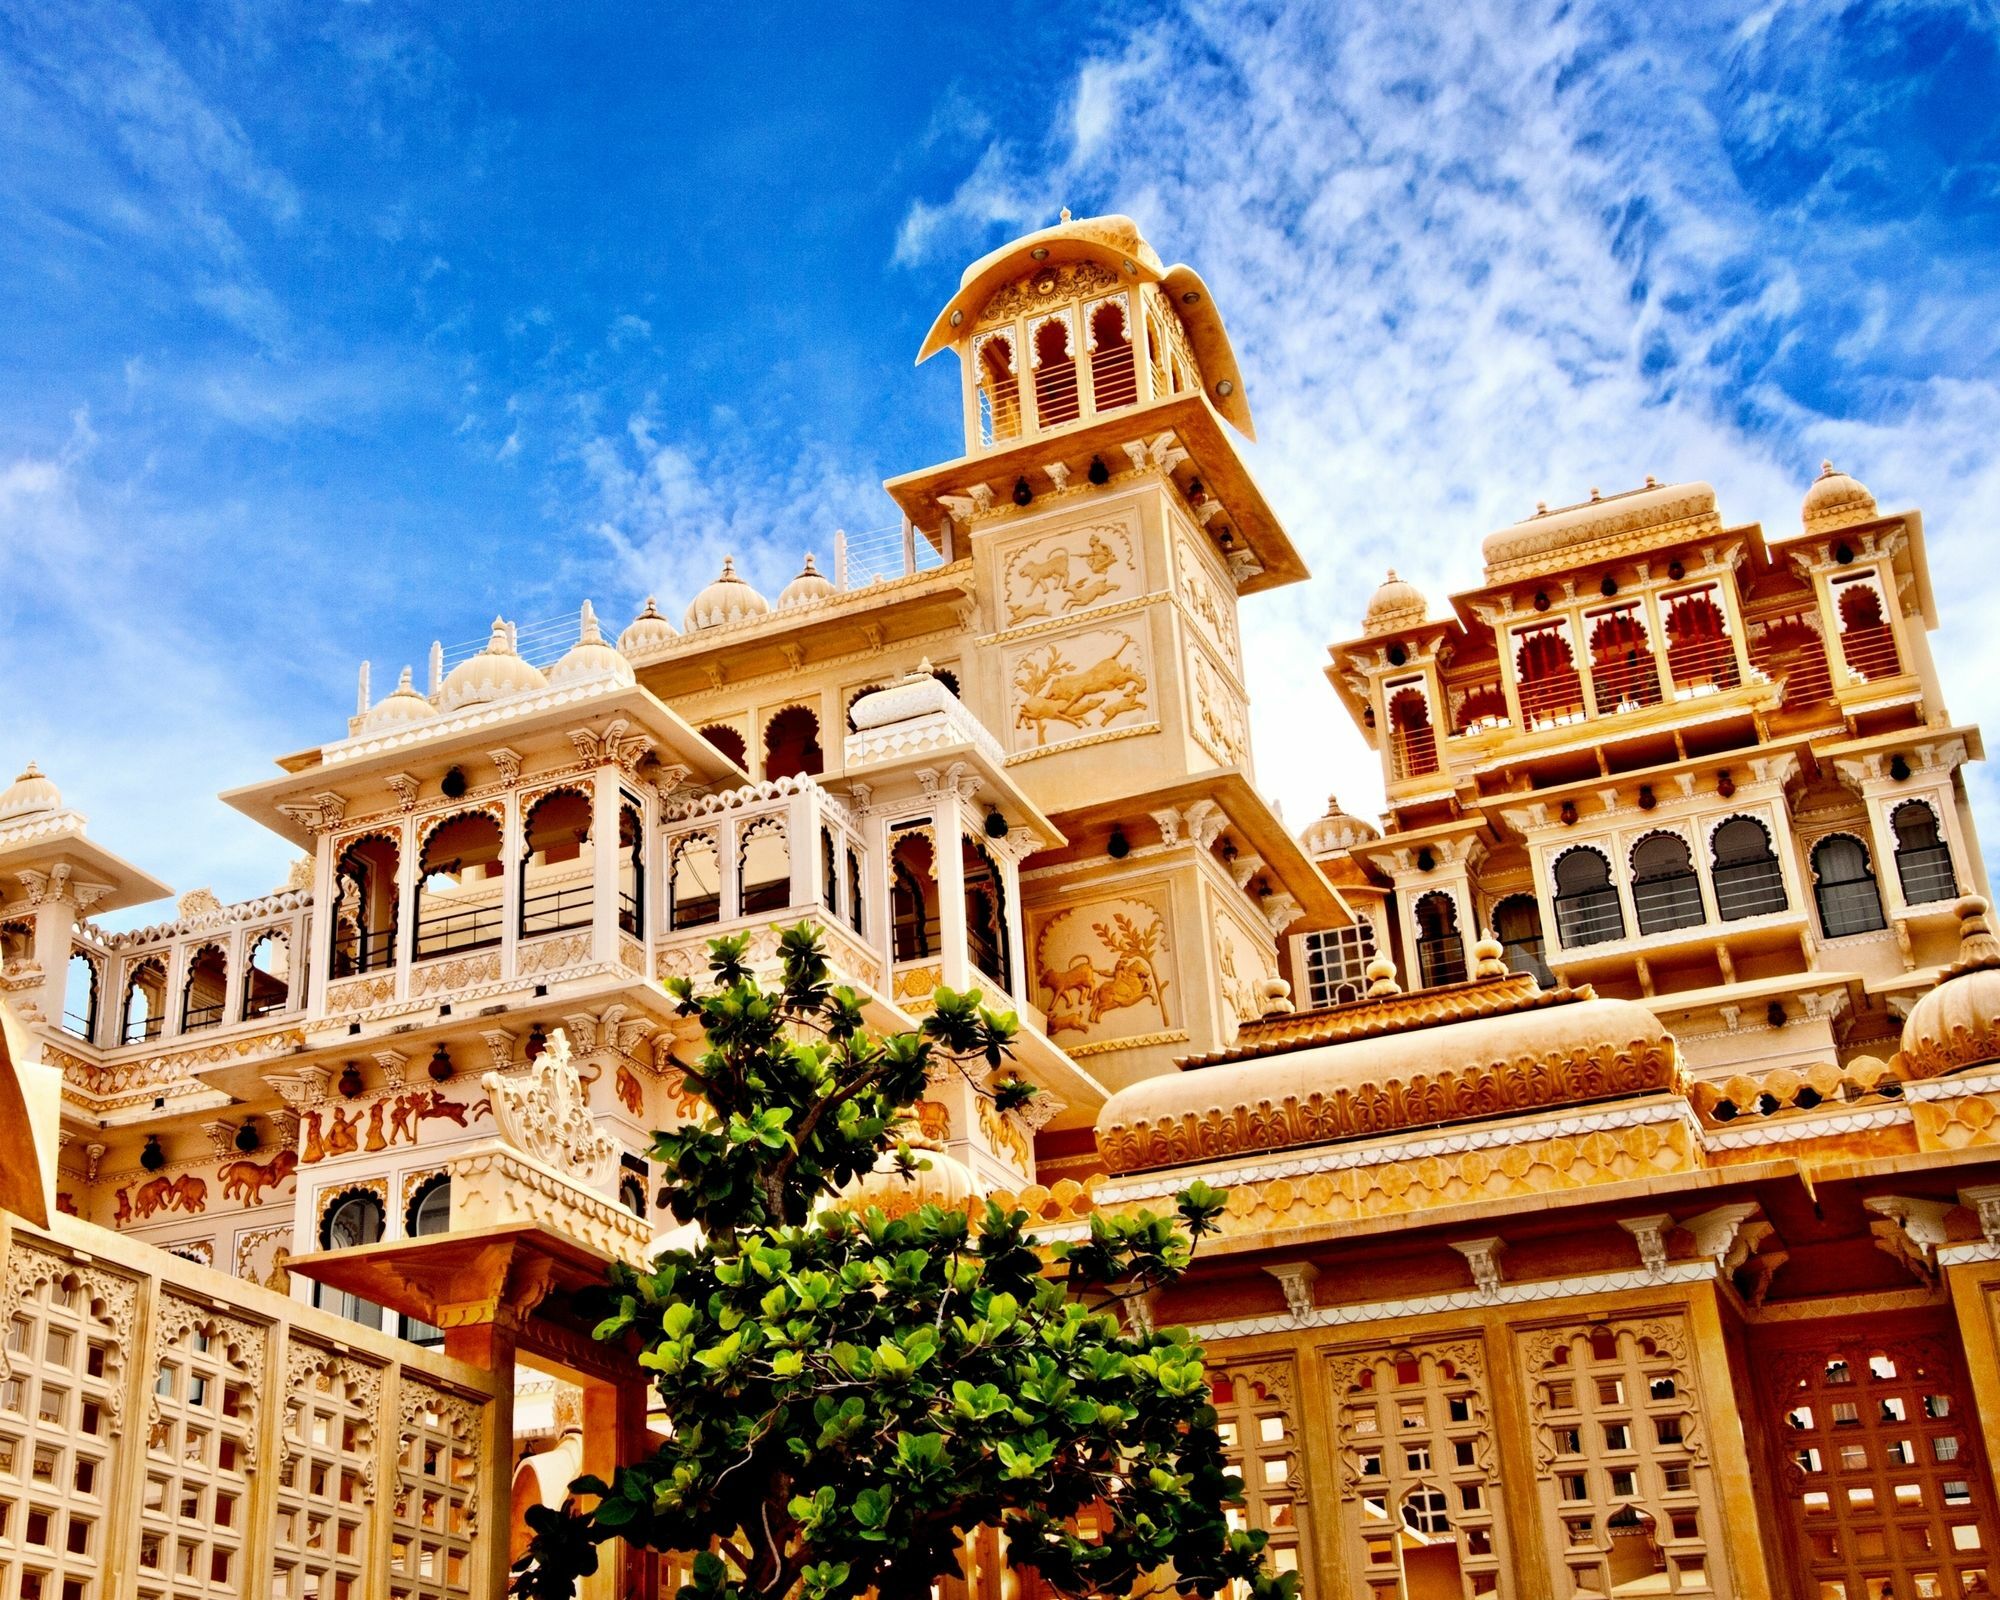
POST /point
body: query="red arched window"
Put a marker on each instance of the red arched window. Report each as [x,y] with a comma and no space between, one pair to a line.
[1056,398]
[1866,639]
[791,744]
[1792,653]
[1622,669]
[1114,367]
[1414,748]
[1700,656]
[1545,669]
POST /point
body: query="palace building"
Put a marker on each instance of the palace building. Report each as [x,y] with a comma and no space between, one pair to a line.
[1612,1127]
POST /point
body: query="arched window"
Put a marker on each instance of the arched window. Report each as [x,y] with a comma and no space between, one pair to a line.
[1791,652]
[364,906]
[791,744]
[854,914]
[1545,676]
[694,881]
[948,678]
[205,994]
[829,871]
[729,742]
[80,989]
[267,979]
[1415,751]
[1054,358]
[1587,909]
[986,915]
[999,388]
[557,877]
[17,943]
[1748,882]
[350,1223]
[459,886]
[145,1001]
[1440,946]
[1867,641]
[1427,1511]
[1844,886]
[1666,893]
[430,1208]
[1701,659]
[1923,859]
[1114,371]
[1517,924]
[1622,670]
[913,896]
[764,867]
[631,872]
[632,1194]
[1483,706]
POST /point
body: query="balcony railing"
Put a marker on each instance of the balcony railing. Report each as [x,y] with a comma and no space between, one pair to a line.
[1552,701]
[144,1031]
[368,952]
[451,933]
[1669,901]
[205,1016]
[557,910]
[1589,917]
[1441,960]
[1927,874]
[1702,666]
[629,918]
[1871,652]
[1626,683]
[1416,752]
[1748,889]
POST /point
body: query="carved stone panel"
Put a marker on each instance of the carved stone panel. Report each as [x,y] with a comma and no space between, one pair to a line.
[1105,970]
[1059,574]
[1077,686]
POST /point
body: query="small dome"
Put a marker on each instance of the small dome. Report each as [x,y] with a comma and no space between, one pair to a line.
[808,586]
[1836,501]
[590,656]
[1335,830]
[728,599]
[1395,604]
[946,1182]
[401,706]
[1957,1024]
[29,795]
[496,673]
[649,632]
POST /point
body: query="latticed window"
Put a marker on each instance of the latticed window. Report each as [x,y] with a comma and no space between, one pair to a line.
[1414,751]
[1440,945]
[1587,909]
[1748,881]
[1844,887]
[1666,894]
[1257,1418]
[327,1491]
[1923,859]
[1419,1492]
[66,1332]
[1336,961]
[1888,1493]
[1052,354]
[430,1546]
[1628,1502]
[200,1453]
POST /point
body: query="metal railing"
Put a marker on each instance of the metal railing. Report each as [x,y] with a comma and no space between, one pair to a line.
[451,933]
[1590,916]
[1625,683]
[630,914]
[203,1016]
[1926,873]
[1551,701]
[1748,888]
[368,952]
[1702,666]
[1870,652]
[1668,901]
[557,910]
[1416,752]
[144,1030]
[1441,960]
[877,555]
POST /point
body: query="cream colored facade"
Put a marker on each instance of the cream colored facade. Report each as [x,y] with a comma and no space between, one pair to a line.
[1587,1122]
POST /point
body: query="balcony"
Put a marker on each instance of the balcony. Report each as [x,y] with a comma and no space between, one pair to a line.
[1702,667]
[1554,701]
[1625,683]
[1870,652]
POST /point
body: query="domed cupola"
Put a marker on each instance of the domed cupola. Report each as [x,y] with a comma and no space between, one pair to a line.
[1957,1024]
[1836,501]
[727,600]
[1395,604]
[1336,830]
[30,795]
[649,632]
[590,656]
[496,673]
[943,1181]
[397,709]
[810,585]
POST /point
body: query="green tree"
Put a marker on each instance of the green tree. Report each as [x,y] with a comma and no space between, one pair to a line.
[849,1395]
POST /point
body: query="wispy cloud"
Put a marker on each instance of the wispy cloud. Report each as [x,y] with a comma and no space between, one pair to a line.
[1473,257]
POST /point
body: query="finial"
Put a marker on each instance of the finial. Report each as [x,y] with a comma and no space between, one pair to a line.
[1652,482]
[1489,957]
[1595,496]
[1826,469]
[32,772]
[587,632]
[1976,944]
[1382,978]
[1541,508]
[497,644]
[729,571]
[403,684]
[1392,576]
[1065,213]
[650,610]
[811,568]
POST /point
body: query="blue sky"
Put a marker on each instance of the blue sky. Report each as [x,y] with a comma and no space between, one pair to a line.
[329,329]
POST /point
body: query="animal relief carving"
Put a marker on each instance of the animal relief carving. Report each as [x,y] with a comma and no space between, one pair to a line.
[140,1201]
[1049,688]
[1074,571]
[247,1180]
[1088,969]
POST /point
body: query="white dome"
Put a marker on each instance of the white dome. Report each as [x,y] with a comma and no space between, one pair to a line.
[590,656]
[1836,501]
[496,673]
[1395,604]
[810,585]
[29,795]
[398,708]
[728,599]
[649,632]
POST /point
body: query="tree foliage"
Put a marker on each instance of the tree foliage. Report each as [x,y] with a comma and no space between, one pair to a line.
[850,1395]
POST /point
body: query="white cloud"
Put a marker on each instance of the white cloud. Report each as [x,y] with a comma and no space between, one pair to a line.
[1475,257]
